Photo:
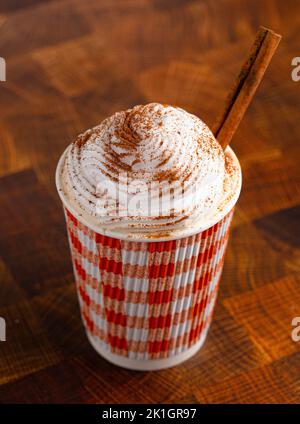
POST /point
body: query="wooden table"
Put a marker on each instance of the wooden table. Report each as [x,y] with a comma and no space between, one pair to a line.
[70,63]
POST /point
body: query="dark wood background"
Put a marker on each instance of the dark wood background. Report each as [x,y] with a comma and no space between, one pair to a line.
[70,63]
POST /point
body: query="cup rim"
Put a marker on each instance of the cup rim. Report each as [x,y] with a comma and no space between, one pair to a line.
[121,235]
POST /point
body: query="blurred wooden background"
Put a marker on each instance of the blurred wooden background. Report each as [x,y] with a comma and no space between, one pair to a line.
[70,63]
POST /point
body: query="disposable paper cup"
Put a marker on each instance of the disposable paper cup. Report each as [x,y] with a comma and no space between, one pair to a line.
[147,305]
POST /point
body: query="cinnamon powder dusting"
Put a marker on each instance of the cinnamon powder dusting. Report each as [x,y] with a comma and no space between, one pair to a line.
[148,144]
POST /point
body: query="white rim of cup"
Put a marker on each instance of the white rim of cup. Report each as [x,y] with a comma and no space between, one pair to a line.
[121,235]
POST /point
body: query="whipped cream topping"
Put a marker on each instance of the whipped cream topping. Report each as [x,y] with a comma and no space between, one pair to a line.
[150,169]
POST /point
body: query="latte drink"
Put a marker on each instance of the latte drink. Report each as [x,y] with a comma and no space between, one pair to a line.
[148,197]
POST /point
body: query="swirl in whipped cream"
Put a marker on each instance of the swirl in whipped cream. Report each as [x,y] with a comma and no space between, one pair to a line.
[147,168]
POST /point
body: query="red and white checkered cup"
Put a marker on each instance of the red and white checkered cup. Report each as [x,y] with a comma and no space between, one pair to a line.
[147,305]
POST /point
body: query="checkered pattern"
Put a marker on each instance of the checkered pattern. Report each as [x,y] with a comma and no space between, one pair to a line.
[147,300]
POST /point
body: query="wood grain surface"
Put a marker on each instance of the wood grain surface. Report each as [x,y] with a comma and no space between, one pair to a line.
[70,63]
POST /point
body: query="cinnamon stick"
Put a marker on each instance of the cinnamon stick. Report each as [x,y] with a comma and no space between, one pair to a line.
[246,84]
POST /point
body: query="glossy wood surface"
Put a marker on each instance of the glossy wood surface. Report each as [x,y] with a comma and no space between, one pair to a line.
[70,63]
